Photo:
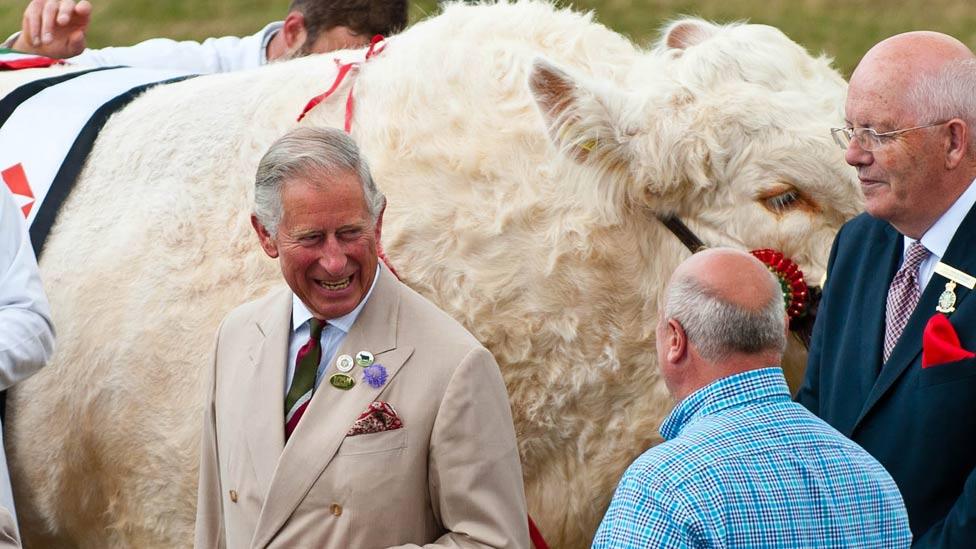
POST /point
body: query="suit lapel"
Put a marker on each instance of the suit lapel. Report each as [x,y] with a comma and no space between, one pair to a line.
[263,424]
[959,255]
[332,411]
[885,260]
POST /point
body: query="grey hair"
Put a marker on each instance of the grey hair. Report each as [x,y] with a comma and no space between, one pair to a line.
[947,94]
[717,328]
[307,151]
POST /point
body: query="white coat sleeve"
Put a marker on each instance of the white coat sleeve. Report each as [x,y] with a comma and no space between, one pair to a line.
[213,55]
[26,330]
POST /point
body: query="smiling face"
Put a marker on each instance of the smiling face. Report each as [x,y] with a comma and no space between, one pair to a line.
[901,179]
[912,178]
[325,242]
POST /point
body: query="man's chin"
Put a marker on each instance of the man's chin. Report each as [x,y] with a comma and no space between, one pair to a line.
[879,209]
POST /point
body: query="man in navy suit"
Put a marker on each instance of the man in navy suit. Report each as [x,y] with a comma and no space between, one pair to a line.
[911,131]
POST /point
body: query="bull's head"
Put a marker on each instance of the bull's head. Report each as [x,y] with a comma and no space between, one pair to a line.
[726,127]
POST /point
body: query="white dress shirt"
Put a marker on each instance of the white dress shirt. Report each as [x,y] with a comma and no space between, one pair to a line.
[225,54]
[333,334]
[936,239]
[26,330]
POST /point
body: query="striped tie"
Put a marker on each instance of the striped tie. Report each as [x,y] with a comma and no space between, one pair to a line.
[303,383]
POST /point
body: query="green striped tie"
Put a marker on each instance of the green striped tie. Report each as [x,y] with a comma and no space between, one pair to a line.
[303,382]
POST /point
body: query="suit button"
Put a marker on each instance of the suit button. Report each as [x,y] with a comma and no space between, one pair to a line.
[336,509]
[233,496]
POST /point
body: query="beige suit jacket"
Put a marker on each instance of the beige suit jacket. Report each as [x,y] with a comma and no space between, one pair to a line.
[450,477]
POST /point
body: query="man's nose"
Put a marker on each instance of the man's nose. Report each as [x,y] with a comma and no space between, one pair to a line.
[855,155]
[333,258]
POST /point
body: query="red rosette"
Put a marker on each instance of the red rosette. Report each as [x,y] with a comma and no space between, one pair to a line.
[795,290]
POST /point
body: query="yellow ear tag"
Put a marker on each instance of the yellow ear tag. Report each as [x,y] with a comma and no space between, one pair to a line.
[588,145]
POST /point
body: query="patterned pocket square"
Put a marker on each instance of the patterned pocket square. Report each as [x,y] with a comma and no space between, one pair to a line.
[940,343]
[378,417]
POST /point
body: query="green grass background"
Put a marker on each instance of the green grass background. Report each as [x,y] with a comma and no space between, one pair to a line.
[843,29]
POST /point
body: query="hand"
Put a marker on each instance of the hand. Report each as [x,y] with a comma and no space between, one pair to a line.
[55,28]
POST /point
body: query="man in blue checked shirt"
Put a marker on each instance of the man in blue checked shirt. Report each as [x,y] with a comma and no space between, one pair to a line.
[742,465]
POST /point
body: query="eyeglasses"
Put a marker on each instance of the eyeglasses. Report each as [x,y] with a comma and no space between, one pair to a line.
[867,138]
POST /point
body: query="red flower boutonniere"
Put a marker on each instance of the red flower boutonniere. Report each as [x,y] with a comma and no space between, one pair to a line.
[940,343]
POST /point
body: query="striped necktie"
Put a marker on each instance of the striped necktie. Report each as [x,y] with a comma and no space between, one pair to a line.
[303,382]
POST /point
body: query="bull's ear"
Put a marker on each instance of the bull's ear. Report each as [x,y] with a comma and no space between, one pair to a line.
[579,118]
[684,33]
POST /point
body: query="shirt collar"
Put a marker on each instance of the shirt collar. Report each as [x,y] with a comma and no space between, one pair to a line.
[936,239]
[300,313]
[725,393]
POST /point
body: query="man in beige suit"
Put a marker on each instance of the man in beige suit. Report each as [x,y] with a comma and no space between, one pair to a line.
[405,438]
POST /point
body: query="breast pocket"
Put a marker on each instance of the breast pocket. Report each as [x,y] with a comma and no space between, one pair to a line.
[374,443]
[947,373]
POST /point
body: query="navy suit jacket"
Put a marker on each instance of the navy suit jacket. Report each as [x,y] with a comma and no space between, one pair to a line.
[919,423]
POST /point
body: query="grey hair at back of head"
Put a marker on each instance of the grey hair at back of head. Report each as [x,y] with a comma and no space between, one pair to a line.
[314,153]
[947,94]
[717,328]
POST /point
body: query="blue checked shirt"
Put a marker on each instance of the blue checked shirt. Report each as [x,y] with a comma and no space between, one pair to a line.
[745,466]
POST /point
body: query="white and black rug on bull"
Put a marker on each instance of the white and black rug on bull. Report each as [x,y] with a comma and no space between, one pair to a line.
[42,149]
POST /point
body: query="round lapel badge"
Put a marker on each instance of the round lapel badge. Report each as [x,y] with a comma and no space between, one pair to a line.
[364,359]
[344,363]
[341,381]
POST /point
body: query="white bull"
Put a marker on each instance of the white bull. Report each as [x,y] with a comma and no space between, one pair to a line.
[524,151]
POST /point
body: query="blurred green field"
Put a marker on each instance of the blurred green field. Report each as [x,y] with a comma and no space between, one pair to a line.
[843,29]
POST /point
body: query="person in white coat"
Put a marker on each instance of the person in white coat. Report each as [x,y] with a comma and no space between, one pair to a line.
[58,28]
[26,329]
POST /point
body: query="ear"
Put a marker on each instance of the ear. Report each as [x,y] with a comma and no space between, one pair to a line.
[684,33]
[581,120]
[676,341]
[293,31]
[378,229]
[958,145]
[267,241]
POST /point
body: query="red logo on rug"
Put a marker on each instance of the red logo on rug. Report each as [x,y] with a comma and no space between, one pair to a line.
[16,181]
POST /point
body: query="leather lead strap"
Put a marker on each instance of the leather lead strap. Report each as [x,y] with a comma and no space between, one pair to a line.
[680,230]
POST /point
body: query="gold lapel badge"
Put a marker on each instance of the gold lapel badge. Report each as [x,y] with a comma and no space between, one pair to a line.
[947,300]
[342,381]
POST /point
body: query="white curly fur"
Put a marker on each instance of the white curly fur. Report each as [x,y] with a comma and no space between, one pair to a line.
[524,151]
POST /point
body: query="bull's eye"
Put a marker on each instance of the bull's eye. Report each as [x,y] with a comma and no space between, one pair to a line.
[782,202]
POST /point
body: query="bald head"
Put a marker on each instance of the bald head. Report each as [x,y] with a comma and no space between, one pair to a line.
[896,65]
[731,276]
[723,315]
[912,54]
[727,303]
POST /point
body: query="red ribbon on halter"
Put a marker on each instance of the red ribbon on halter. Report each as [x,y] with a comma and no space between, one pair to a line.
[376,46]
